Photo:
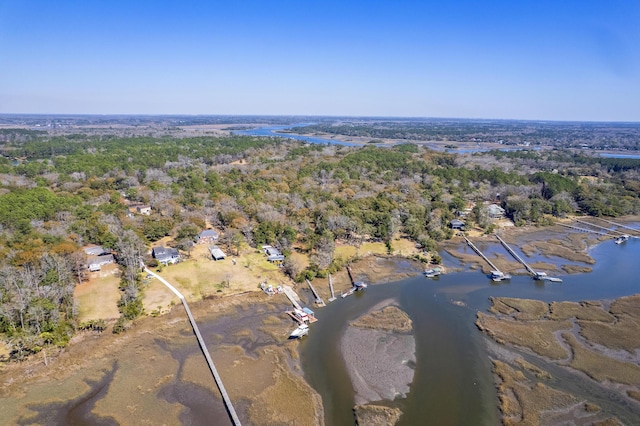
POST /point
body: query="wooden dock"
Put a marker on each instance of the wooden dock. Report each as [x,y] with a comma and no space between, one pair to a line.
[353,282]
[577,228]
[516,257]
[293,315]
[600,227]
[333,296]
[621,226]
[536,275]
[319,300]
[477,250]
[292,296]
[225,396]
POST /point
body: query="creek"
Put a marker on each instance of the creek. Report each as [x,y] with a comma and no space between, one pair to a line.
[453,382]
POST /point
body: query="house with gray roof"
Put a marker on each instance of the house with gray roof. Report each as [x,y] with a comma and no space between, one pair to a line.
[165,255]
[208,236]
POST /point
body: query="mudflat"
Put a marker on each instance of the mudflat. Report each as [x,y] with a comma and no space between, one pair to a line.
[379,352]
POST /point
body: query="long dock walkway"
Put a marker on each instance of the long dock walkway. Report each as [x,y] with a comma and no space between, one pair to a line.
[203,346]
[319,300]
[516,257]
[600,227]
[477,250]
[577,228]
[333,295]
[288,291]
[620,226]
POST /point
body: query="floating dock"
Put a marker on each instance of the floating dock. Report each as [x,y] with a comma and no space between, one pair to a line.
[310,316]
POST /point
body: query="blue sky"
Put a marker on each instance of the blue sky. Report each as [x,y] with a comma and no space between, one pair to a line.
[551,60]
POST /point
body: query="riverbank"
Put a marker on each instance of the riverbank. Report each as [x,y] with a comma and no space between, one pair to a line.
[155,372]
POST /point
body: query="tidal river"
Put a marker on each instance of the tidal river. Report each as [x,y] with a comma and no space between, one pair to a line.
[453,383]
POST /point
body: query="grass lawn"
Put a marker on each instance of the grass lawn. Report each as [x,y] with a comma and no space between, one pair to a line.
[98,297]
[200,276]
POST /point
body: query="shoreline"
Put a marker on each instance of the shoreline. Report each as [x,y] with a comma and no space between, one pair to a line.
[233,348]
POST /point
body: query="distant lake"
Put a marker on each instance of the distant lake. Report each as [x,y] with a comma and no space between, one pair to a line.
[275,132]
[616,155]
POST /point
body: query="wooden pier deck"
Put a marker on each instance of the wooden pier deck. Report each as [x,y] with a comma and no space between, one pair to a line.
[225,396]
[477,250]
[577,228]
[319,300]
[292,296]
[621,226]
[536,275]
[600,227]
[516,257]
[293,315]
[333,295]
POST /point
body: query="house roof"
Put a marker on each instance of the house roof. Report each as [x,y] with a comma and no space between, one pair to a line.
[216,253]
[208,233]
[495,209]
[106,258]
[93,250]
[164,252]
[271,251]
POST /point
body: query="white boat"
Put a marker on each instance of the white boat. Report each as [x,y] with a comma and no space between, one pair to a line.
[622,238]
[554,280]
[541,276]
[359,285]
[301,330]
[499,276]
[432,273]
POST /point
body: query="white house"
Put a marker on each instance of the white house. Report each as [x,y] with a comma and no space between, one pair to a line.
[145,210]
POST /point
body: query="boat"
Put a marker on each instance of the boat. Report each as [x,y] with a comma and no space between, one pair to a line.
[359,285]
[432,273]
[540,276]
[301,330]
[499,276]
[348,292]
[622,238]
[554,280]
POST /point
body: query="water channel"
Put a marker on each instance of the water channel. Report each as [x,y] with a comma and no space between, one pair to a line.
[453,384]
[277,132]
